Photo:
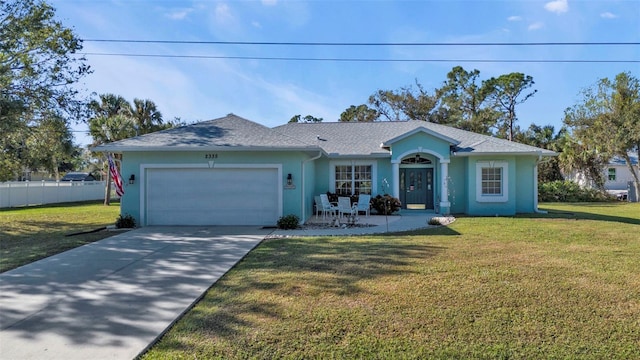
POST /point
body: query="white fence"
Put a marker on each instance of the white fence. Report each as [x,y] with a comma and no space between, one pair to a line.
[26,193]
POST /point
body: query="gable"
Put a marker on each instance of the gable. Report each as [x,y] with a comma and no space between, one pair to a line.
[420,142]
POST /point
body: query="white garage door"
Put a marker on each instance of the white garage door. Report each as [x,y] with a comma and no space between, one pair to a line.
[216,196]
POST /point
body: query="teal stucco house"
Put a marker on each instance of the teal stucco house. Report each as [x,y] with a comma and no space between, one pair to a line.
[232,171]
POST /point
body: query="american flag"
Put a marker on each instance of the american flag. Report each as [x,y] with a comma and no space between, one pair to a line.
[115,176]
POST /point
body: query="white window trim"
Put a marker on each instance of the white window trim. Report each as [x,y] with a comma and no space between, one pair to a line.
[504,197]
[332,172]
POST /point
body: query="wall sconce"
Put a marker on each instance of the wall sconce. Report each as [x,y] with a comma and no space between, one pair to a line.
[132,179]
[289,180]
[417,158]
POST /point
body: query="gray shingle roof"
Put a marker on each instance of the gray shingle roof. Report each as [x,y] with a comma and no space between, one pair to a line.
[353,138]
[334,138]
[231,131]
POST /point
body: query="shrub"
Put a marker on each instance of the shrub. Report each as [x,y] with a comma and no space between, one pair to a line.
[288,222]
[569,191]
[126,221]
[386,204]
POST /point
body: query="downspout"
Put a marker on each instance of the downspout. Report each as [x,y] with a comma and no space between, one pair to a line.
[535,185]
[304,208]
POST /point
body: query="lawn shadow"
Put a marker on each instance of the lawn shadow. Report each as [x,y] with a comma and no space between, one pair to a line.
[299,267]
[583,215]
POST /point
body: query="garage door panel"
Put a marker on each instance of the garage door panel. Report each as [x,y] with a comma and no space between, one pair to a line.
[212,196]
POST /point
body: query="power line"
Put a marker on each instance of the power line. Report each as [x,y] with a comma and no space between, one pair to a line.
[360,59]
[277,43]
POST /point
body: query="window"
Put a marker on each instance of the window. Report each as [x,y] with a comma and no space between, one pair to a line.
[612,174]
[353,179]
[492,181]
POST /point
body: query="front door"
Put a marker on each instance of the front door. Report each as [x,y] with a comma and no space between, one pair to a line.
[416,188]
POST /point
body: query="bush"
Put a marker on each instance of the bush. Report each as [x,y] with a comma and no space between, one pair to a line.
[288,222]
[569,191]
[126,221]
[386,205]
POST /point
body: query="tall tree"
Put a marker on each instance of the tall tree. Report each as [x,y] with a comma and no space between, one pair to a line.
[38,72]
[464,102]
[508,91]
[306,119]
[38,65]
[147,117]
[546,138]
[608,119]
[112,121]
[404,104]
[360,113]
[577,157]
[50,145]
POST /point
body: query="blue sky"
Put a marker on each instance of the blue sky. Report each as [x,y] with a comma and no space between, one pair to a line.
[271,92]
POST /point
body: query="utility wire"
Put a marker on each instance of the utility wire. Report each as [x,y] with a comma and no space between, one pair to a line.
[358,59]
[270,43]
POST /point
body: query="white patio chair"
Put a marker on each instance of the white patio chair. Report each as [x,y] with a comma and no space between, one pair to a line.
[318,205]
[344,206]
[327,208]
[364,204]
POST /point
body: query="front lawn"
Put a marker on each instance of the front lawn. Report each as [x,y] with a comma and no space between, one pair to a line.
[562,285]
[28,234]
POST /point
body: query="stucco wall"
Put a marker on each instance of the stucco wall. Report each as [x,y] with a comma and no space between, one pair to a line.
[291,163]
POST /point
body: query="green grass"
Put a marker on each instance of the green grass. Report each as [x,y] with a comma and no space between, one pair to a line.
[561,285]
[28,234]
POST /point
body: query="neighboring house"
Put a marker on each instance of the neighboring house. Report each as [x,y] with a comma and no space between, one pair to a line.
[78,176]
[232,171]
[617,174]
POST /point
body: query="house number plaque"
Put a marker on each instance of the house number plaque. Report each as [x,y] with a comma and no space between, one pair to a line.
[210,156]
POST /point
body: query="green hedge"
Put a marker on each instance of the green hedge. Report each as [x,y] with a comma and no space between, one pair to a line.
[569,191]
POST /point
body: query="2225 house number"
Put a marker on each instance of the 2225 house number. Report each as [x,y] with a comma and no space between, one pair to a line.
[210,156]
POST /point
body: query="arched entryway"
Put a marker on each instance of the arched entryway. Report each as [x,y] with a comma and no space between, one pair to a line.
[417,182]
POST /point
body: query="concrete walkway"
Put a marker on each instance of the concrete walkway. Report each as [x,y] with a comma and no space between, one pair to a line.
[112,298]
[408,220]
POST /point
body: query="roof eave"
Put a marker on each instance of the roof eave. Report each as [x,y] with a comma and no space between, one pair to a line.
[505,153]
[122,149]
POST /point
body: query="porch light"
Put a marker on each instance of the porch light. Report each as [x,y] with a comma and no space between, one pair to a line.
[289,179]
[132,179]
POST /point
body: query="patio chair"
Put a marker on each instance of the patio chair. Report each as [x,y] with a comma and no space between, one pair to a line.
[344,206]
[318,205]
[327,208]
[364,204]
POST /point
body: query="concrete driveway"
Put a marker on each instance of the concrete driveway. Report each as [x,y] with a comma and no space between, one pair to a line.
[112,298]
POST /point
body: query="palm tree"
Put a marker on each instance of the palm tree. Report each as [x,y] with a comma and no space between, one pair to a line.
[110,105]
[113,121]
[146,116]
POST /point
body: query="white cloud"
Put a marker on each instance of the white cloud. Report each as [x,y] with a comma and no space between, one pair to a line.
[608,15]
[269,2]
[557,6]
[514,18]
[223,13]
[536,26]
[256,24]
[179,14]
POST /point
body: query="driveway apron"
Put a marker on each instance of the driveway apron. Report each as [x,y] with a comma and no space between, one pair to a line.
[112,298]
